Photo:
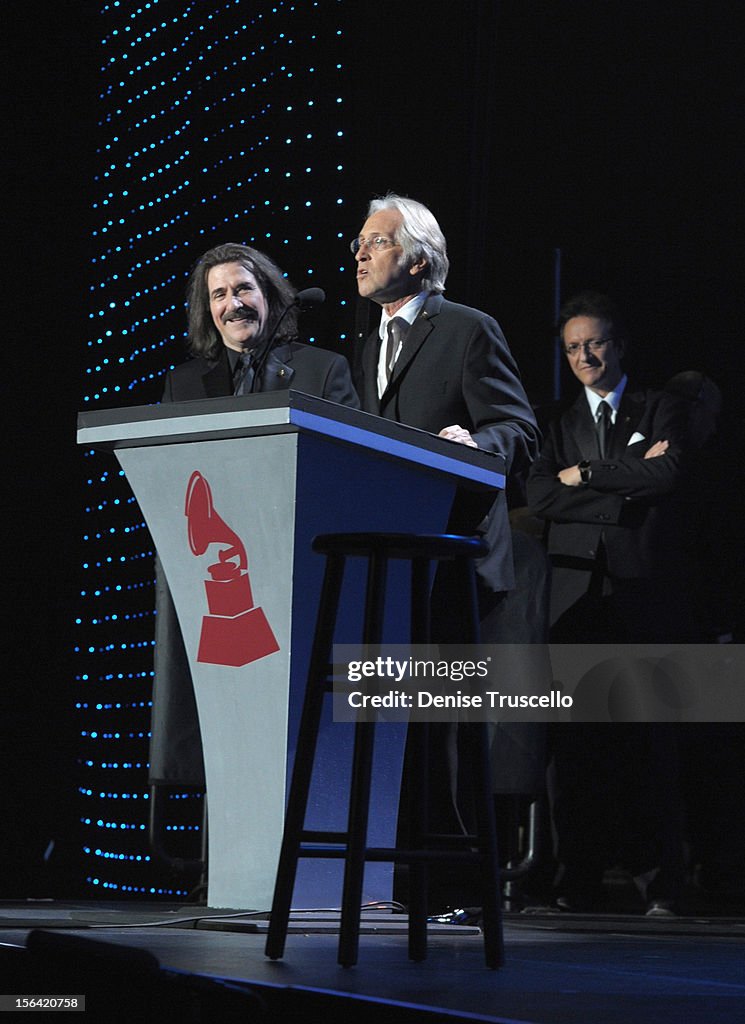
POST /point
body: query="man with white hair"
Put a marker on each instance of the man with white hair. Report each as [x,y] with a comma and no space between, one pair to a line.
[438,365]
[446,368]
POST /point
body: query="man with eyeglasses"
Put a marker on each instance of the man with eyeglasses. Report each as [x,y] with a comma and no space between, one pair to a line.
[607,465]
[603,481]
[438,365]
[446,368]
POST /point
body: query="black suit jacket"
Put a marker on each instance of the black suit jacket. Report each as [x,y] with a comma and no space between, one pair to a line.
[626,501]
[314,371]
[456,367]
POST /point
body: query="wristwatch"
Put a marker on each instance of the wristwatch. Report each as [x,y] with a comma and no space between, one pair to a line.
[584,471]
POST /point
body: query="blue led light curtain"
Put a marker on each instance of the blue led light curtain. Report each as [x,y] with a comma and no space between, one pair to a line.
[219,121]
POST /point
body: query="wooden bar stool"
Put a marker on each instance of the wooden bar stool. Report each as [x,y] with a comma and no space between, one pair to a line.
[351,845]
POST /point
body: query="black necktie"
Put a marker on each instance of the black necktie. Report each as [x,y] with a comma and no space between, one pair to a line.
[604,426]
[395,333]
[244,373]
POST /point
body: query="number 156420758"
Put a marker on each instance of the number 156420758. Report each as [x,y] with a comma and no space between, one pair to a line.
[39,1002]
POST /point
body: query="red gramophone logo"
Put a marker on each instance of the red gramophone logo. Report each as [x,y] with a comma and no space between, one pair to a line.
[234,632]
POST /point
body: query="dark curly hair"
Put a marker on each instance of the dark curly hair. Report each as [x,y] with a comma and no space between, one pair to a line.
[204,338]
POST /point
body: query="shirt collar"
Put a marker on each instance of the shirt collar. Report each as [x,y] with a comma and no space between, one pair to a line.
[234,358]
[409,313]
[613,398]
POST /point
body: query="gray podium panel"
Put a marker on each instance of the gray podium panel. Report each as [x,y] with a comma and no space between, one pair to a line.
[233,496]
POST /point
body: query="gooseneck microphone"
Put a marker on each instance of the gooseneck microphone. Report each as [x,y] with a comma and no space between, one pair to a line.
[307,298]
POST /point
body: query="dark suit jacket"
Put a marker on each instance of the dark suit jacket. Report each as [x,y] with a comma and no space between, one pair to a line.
[314,371]
[627,497]
[455,367]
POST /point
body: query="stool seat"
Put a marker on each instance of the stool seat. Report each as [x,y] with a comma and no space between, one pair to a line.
[423,846]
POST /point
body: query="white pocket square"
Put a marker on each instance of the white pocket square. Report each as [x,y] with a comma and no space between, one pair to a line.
[636,437]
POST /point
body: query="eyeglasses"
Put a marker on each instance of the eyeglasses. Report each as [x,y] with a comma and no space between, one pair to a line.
[376,242]
[592,346]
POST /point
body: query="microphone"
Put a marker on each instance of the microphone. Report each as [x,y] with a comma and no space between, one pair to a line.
[305,299]
[309,297]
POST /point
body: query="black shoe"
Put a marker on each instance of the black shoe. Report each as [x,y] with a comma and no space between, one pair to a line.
[458,915]
[579,890]
[576,902]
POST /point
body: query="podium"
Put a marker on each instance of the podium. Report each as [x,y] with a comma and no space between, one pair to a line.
[233,490]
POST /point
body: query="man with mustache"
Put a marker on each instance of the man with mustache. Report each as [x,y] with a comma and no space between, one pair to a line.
[237,298]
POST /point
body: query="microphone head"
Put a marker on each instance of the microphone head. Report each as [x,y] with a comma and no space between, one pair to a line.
[310,297]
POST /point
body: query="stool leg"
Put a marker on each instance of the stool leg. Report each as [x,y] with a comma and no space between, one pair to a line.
[478,743]
[418,809]
[304,755]
[419,827]
[354,870]
[359,798]
[421,622]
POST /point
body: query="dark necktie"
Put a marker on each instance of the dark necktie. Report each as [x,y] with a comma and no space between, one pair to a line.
[396,328]
[604,426]
[244,373]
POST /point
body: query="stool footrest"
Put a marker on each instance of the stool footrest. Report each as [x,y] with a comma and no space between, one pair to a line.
[408,856]
[393,854]
[430,841]
[330,838]
[336,852]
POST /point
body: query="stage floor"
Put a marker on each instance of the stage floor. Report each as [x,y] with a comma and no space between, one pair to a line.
[604,969]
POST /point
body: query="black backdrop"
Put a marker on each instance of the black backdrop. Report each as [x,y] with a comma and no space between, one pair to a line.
[611,131]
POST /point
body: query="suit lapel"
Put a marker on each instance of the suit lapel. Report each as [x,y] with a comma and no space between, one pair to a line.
[369,398]
[278,373]
[415,338]
[218,380]
[629,415]
[582,428]
[416,335]
[277,370]
[584,433]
